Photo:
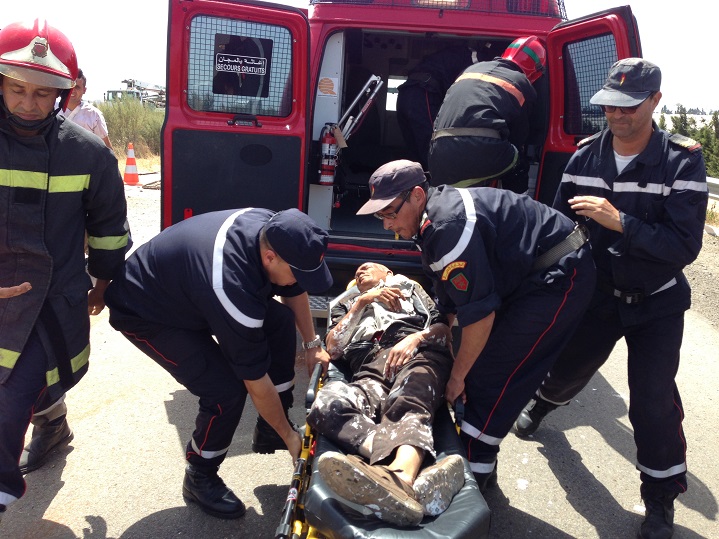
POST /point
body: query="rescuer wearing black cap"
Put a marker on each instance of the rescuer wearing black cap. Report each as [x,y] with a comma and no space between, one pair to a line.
[515,274]
[642,193]
[198,299]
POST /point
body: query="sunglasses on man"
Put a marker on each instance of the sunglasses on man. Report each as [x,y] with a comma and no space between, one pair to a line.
[609,109]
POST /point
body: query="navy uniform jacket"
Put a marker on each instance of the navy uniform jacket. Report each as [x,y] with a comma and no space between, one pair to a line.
[495,95]
[662,198]
[478,245]
[205,273]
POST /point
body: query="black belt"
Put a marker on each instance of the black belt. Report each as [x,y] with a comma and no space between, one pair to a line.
[628,297]
[631,297]
[577,237]
[466,132]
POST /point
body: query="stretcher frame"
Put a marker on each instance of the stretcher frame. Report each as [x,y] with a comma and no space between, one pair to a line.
[312,511]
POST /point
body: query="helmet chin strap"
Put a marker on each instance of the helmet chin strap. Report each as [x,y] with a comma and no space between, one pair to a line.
[28,125]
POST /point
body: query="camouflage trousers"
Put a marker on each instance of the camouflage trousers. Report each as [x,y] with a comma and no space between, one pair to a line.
[389,413]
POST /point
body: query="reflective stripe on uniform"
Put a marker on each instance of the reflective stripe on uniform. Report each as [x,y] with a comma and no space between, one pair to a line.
[663,474]
[217,275]
[76,363]
[477,434]
[286,386]
[8,358]
[633,187]
[108,243]
[69,184]
[466,235]
[508,86]
[39,180]
[205,454]
[23,178]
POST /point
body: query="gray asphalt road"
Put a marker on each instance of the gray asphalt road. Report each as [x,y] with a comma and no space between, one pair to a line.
[121,477]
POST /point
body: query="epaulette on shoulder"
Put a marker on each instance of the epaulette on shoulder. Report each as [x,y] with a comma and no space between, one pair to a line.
[685,142]
[587,140]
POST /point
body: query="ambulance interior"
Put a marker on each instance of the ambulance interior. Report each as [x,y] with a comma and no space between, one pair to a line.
[350,59]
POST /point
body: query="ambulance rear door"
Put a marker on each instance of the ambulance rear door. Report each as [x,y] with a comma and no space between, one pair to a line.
[236,123]
[579,55]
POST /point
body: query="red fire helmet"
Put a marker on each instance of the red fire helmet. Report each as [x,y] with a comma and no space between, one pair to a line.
[529,54]
[38,54]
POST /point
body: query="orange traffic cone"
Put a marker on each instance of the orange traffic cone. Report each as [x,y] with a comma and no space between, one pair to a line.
[131,177]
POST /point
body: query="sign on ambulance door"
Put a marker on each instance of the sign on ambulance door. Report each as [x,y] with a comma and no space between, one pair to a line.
[579,55]
[236,123]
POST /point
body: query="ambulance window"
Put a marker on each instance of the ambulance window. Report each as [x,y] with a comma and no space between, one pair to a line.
[239,67]
[586,64]
[392,84]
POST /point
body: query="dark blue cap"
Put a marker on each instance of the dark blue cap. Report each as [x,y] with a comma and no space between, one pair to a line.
[300,242]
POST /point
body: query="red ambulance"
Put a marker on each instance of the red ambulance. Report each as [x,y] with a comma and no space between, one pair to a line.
[254,90]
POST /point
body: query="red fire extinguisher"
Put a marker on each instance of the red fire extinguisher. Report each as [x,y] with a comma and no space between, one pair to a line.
[329,155]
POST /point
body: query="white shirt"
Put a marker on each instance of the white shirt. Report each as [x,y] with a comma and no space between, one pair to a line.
[88,116]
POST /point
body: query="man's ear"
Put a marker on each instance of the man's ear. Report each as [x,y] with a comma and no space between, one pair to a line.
[268,256]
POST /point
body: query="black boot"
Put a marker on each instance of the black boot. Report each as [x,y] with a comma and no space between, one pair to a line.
[205,488]
[659,515]
[531,417]
[265,439]
[48,432]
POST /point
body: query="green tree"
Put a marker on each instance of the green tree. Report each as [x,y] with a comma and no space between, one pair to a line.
[663,123]
[680,122]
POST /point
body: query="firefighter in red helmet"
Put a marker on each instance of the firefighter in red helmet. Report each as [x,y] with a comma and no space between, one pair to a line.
[59,182]
[487,120]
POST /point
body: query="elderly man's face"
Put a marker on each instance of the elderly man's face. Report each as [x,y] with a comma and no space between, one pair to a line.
[369,274]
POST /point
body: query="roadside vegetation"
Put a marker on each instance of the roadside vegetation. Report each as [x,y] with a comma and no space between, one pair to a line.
[130,121]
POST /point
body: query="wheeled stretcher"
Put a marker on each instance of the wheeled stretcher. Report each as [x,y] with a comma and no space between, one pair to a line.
[312,511]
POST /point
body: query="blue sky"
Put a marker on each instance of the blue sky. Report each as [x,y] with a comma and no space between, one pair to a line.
[130,42]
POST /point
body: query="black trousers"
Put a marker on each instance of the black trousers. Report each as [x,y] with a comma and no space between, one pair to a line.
[195,360]
[20,396]
[655,407]
[483,159]
[528,334]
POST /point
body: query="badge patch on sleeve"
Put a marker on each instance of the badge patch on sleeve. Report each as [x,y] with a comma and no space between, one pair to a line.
[459,264]
[460,282]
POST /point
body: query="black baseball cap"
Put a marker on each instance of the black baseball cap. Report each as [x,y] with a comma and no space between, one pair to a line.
[389,181]
[300,242]
[630,81]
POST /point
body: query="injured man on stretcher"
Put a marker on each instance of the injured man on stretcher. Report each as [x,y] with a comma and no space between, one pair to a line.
[391,337]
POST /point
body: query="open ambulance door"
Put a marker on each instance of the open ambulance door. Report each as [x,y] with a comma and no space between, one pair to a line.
[236,123]
[579,55]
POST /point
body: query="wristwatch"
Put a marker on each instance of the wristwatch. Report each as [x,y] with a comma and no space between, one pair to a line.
[314,343]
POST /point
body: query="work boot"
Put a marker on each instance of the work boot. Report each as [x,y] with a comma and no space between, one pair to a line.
[265,439]
[531,417]
[375,487]
[205,488]
[436,485]
[659,516]
[46,436]
[486,480]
